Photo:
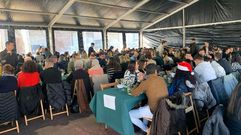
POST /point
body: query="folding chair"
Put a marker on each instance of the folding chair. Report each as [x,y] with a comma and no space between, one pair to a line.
[66,111]
[57,91]
[200,121]
[11,129]
[104,86]
[26,119]
[191,108]
[16,127]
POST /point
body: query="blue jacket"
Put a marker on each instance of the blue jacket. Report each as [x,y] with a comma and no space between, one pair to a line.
[230,83]
[215,124]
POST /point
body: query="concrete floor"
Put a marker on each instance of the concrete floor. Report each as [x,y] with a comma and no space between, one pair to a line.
[75,124]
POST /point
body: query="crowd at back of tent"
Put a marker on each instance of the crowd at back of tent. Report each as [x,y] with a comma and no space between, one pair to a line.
[207,63]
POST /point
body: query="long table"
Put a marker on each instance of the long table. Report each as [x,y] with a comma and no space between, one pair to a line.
[112,107]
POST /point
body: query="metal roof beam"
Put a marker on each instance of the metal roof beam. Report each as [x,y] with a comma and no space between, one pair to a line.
[168,15]
[116,6]
[127,13]
[177,1]
[61,12]
[66,15]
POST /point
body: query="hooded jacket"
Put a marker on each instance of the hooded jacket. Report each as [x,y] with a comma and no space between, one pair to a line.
[169,117]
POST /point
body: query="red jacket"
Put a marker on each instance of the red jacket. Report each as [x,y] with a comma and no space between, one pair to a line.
[28,79]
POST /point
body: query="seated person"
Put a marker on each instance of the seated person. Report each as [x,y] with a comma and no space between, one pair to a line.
[233,116]
[113,69]
[50,74]
[220,72]
[130,76]
[80,73]
[29,75]
[223,62]
[203,71]
[8,82]
[153,92]
[95,69]
[183,80]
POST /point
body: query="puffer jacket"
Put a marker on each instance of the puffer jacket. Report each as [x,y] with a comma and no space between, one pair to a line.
[230,83]
[8,107]
[218,91]
[170,117]
[28,99]
[56,95]
[203,96]
[215,124]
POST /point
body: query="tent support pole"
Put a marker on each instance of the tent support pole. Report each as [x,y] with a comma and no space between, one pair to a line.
[51,45]
[141,39]
[183,29]
[105,39]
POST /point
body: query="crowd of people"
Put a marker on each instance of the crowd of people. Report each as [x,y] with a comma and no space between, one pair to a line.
[157,72]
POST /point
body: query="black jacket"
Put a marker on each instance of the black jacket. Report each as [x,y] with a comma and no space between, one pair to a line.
[28,99]
[57,96]
[8,107]
[6,58]
[226,65]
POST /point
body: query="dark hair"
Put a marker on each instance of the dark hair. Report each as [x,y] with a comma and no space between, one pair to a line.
[218,55]
[141,64]
[7,68]
[184,74]
[8,42]
[131,67]
[113,63]
[148,55]
[198,57]
[235,101]
[29,67]
[151,69]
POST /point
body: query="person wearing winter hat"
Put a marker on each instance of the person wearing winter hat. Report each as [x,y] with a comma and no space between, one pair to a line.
[183,80]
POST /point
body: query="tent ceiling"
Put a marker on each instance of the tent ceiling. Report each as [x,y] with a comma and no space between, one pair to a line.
[86,13]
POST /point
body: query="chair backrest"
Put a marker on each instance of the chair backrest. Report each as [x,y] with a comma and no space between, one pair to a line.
[8,107]
[190,106]
[104,86]
[56,95]
[97,80]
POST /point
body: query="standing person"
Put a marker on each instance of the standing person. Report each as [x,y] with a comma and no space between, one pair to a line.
[161,47]
[193,47]
[153,92]
[8,56]
[91,49]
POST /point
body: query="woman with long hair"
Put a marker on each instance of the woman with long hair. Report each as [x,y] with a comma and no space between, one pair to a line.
[183,80]
[233,115]
[114,68]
